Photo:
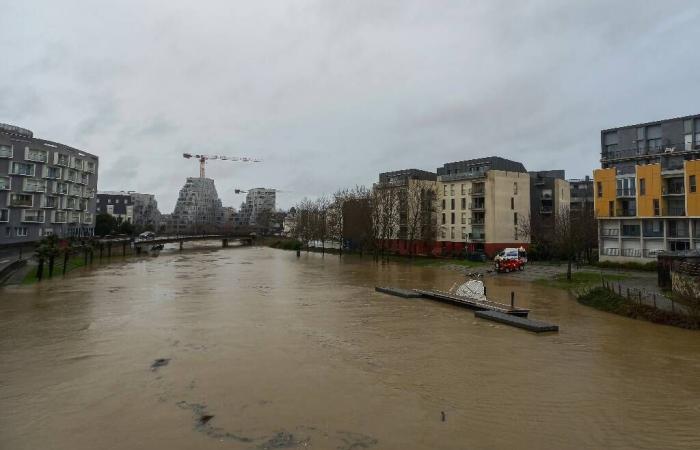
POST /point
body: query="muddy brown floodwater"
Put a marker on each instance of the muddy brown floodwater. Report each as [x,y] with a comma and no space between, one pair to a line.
[252,348]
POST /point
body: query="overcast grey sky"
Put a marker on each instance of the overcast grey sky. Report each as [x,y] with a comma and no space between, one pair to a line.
[330,93]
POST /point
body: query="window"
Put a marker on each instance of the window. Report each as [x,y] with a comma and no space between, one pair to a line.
[61,159]
[72,175]
[464,203]
[452,189]
[70,203]
[512,203]
[50,202]
[60,217]
[464,233]
[109,201]
[90,167]
[52,172]
[31,154]
[452,233]
[61,188]
[6,151]
[691,183]
[464,218]
[34,185]
[656,206]
[442,233]
[443,217]
[33,215]
[599,188]
[22,200]
[642,186]
[688,141]
[452,218]
[515,218]
[444,189]
[4,183]
[464,189]
[443,203]
[452,204]
[21,231]
[515,188]
[84,178]
[4,215]
[19,168]
[8,231]
[78,164]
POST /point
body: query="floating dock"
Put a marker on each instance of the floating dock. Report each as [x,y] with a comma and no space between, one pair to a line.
[399,292]
[480,305]
[515,321]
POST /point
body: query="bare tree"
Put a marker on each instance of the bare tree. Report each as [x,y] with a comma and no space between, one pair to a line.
[566,237]
[320,221]
[419,214]
[385,214]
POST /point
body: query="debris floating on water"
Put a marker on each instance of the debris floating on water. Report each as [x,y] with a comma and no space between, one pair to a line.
[160,362]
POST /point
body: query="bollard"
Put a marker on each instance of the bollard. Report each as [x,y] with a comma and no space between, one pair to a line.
[298,252]
[512,300]
[654,299]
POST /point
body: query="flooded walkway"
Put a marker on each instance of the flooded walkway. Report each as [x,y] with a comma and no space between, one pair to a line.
[252,348]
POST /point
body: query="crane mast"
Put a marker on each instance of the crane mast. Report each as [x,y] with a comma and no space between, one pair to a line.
[203,160]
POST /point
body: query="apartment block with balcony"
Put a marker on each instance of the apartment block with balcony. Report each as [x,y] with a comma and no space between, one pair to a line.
[45,188]
[581,195]
[481,204]
[117,204]
[549,194]
[646,195]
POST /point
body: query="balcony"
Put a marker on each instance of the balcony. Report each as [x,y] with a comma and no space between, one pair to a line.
[675,211]
[546,210]
[611,251]
[626,212]
[627,192]
[478,192]
[477,237]
[476,222]
[610,232]
[33,216]
[634,252]
[21,201]
[673,190]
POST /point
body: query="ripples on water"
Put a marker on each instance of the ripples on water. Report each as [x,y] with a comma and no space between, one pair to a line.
[266,350]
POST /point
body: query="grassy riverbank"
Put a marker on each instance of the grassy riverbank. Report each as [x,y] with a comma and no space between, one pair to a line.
[73,263]
[604,300]
[579,280]
[417,260]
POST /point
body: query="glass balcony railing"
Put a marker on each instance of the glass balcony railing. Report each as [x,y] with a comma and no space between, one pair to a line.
[626,212]
[626,192]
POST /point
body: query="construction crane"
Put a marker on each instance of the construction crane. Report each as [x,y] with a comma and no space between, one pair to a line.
[203,159]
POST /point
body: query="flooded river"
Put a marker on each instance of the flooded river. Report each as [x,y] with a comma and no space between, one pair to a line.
[259,349]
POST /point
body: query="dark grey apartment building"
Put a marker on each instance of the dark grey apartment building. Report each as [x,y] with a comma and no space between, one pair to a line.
[45,188]
[668,142]
[581,195]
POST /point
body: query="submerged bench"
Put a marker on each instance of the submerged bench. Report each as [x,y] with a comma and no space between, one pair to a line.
[508,319]
[405,293]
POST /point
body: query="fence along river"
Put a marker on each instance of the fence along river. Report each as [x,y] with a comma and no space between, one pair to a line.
[253,348]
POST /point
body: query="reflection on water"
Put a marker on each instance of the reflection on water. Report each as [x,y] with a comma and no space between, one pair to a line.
[265,350]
